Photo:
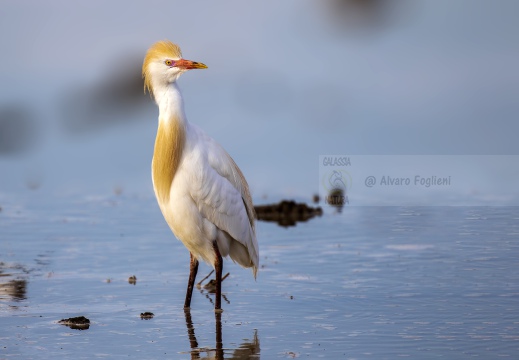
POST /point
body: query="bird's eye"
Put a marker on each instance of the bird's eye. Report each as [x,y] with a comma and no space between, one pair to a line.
[168,62]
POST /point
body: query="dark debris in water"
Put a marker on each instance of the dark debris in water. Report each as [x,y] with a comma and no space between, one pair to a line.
[132,280]
[211,284]
[77,323]
[337,198]
[147,315]
[287,212]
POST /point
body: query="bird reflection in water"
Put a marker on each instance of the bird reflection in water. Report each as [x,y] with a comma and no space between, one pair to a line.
[247,350]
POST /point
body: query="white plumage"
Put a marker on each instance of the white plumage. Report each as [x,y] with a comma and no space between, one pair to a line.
[206,203]
[201,192]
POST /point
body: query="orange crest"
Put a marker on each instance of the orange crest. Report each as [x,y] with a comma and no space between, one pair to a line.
[159,50]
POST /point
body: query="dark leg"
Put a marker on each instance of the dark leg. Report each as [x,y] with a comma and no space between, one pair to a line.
[218,266]
[193,269]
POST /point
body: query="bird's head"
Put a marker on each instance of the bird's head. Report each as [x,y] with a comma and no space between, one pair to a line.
[163,64]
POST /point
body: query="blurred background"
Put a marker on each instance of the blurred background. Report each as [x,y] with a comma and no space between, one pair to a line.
[287,81]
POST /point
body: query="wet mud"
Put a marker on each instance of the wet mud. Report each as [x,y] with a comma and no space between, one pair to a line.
[287,213]
[147,315]
[77,323]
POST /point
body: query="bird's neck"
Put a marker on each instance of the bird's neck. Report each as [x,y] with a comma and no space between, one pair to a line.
[169,100]
[170,140]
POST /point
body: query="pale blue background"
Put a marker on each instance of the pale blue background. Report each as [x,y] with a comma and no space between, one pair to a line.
[287,81]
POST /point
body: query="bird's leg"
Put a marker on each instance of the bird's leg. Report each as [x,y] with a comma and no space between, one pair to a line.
[193,269]
[218,266]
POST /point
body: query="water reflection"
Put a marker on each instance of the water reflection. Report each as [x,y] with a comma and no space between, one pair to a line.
[14,289]
[210,287]
[14,278]
[247,350]
[12,286]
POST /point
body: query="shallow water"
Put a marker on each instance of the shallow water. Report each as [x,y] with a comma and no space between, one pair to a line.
[370,282]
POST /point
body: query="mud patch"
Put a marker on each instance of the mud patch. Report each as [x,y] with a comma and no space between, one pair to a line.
[287,213]
[147,315]
[77,323]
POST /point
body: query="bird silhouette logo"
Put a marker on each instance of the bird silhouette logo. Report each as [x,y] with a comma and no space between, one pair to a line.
[337,179]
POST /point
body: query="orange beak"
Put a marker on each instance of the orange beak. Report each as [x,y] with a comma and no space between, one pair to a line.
[189,65]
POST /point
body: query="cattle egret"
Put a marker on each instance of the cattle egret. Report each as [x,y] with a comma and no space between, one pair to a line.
[201,192]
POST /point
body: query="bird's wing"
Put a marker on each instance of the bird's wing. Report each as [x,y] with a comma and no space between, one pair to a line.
[222,194]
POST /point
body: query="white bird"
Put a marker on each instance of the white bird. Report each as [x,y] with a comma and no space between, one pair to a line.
[201,192]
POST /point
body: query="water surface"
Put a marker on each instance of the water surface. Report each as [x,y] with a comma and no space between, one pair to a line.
[370,282]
